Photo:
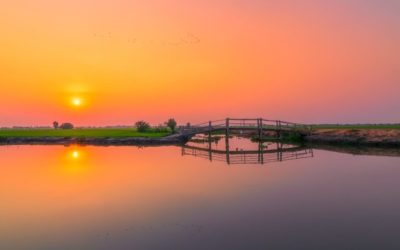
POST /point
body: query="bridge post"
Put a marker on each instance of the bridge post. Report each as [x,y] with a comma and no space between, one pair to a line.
[227,141]
[260,129]
[209,140]
[227,127]
[227,148]
[209,131]
[278,129]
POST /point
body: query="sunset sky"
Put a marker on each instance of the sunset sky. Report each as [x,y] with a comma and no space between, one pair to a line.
[115,62]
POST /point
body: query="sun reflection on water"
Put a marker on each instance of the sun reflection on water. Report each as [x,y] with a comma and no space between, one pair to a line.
[75,161]
[75,154]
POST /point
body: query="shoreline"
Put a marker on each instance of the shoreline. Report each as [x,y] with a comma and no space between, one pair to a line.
[356,137]
[384,138]
[95,141]
[358,149]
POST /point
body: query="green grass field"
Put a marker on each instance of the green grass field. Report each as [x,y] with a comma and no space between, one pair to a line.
[95,132]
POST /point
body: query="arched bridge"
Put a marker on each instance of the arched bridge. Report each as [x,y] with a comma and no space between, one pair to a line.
[258,124]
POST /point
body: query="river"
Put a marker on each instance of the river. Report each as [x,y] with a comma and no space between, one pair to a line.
[268,196]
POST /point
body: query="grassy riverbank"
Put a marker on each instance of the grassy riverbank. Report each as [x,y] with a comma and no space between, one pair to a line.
[82,133]
[356,126]
[368,136]
[385,135]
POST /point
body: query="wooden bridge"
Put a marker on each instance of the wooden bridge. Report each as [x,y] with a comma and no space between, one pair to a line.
[258,124]
[260,156]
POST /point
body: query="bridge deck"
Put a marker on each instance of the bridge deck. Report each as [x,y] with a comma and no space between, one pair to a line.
[258,125]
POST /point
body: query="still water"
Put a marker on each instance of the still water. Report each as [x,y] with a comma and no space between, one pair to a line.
[55,197]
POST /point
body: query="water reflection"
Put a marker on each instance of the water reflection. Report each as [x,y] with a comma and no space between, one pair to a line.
[55,197]
[74,161]
[244,151]
[75,154]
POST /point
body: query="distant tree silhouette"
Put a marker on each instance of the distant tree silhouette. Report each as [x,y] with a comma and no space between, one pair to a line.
[142,126]
[55,124]
[171,123]
[67,125]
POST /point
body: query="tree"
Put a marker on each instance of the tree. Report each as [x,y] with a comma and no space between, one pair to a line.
[55,124]
[171,123]
[67,125]
[142,126]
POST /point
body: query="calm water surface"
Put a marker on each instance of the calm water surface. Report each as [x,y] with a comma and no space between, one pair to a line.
[55,197]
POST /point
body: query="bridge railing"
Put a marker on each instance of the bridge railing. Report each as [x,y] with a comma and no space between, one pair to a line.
[286,125]
[244,123]
[207,124]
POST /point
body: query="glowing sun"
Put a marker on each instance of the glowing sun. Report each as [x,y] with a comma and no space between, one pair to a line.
[76,101]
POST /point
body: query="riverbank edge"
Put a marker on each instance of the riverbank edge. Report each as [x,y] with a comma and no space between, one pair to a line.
[352,137]
[340,137]
[95,141]
[350,142]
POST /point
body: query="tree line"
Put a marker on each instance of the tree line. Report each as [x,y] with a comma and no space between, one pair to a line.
[141,126]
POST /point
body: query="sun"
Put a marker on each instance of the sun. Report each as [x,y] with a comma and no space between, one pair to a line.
[76,101]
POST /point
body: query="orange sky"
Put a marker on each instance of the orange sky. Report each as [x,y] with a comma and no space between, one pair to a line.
[199,60]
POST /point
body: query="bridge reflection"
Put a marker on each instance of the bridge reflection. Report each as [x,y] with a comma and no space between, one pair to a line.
[262,155]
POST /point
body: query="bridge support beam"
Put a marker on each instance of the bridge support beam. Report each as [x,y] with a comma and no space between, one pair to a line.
[209,131]
[209,140]
[260,129]
[227,127]
[278,129]
[227,141]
